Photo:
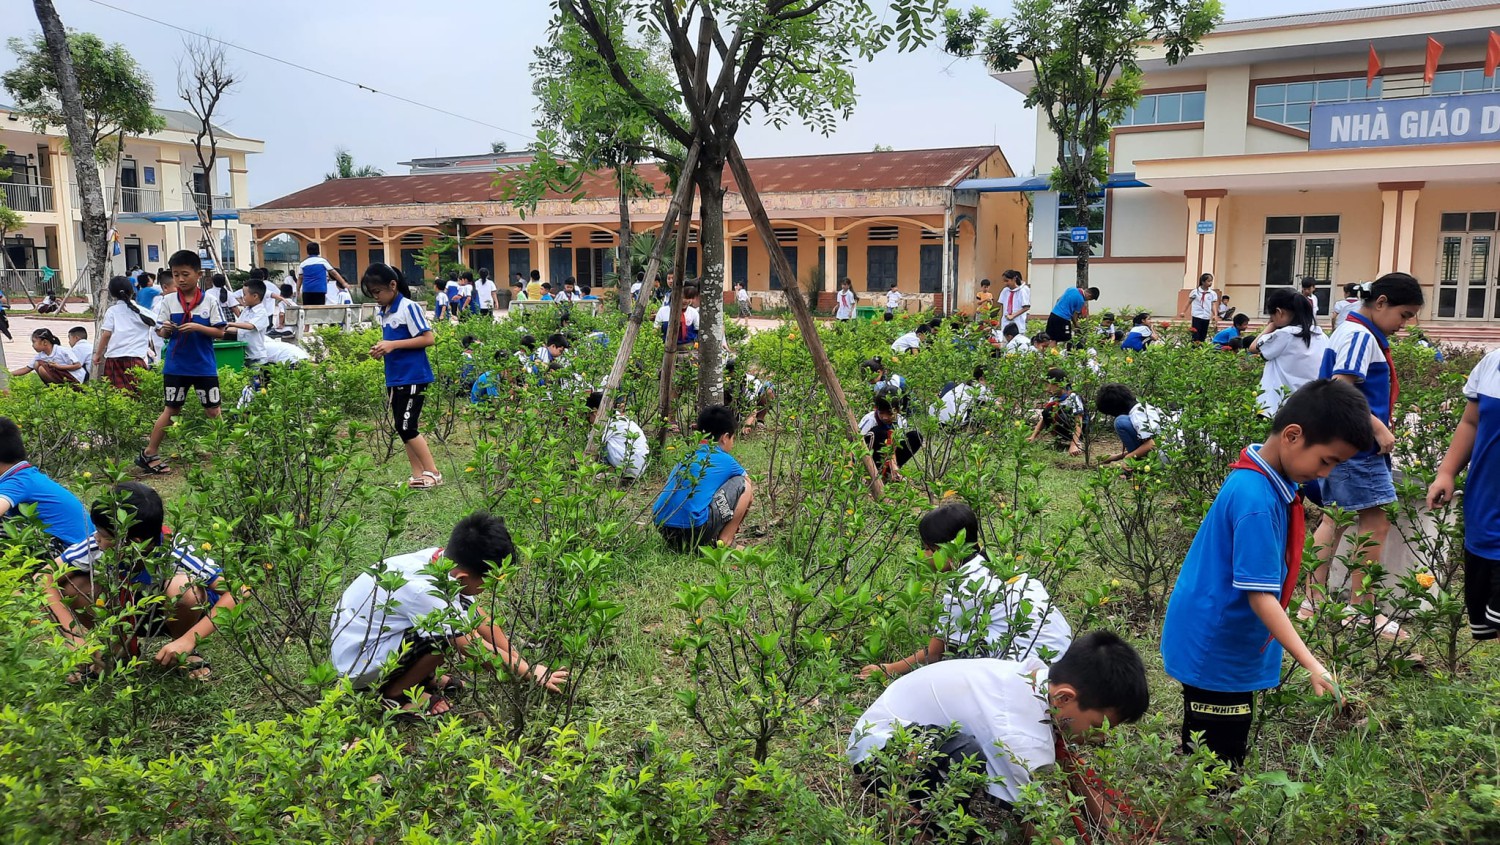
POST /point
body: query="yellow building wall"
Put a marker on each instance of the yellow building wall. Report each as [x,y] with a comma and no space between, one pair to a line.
[1240,268]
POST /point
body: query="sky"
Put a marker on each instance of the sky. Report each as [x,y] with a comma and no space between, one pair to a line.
[471,57]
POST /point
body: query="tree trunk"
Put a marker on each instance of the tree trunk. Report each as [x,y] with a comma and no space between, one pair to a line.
[90,192]
[711,352]
[809,329]
[638,311]
[1082,251]
[674,320]
[623,271]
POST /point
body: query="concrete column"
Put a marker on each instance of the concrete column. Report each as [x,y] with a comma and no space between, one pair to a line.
[539,251]
[239,181]
[1398,224]
[1202,249]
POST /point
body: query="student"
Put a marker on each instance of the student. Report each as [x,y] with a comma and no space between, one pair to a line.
[1014,340]
[1017,717]
[486,299]
[984,301]
[315,271]
[286,301]
[534,287]
[570,291]
[1073,304]
[844,309]
[761,396]
[1292,346]
[98,571]
[880,429]
[190,321]
[707,495]
[742,297]
[1226,623]
[1141,334]
[229,301]
[1107,329]
[147,292]
[687,333]
[911,341]
[78,342]
[956,400]
[124,338]
[1310,290]
[393,629]
[1136,423]
[587,294]
[517,290]
[1015,301]
[984,615]
[405,336]
[640,282]
[549,356]
[4,320]
[463,303]
[1476,445]
[625,447]
[1350,302]
[62,515]
[1202,306]
[255,321]
[886,383]
[892,302]
[1226,311]
[1043,342]
[1234,331]
[1359,353]
[1063,415]
[53,362]
[442,304]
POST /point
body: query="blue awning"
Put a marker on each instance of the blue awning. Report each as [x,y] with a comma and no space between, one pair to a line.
[1040,183]
[175,216]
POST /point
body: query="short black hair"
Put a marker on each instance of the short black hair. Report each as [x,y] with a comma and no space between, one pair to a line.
[479,541]
[467,275]
[12,447]
[257,287]
[883,405]
[924,328]
[1328,410]
[467,341]
[1114,400]
[536,275]
[313,248]
[984,283]
[595,400]
[529,342]
[1241,320]
[1107,674]
[141,506]
[717,421]
[1057,375]
[186,258]
[1093,293]
[946,522]
[1309,282]
[546,286]
[557,339]
[78,331]
[872,364]
[1040,338]
[286,290]
[1010,330]
[689,291]
[1108,315]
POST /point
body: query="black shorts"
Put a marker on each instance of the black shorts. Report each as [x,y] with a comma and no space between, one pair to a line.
[720,511]
[1060,329]
[175,389]
[1200,329]
[1224,718]
[949,749]
[309,298]
[406,409]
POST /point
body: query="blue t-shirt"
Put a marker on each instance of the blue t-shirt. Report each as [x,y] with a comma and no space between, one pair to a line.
[1211,638]
[1070,304]
[191,353]
[1482,490]
[402,321]
[60,512]
[314,272]
[1357,348]
[684,502]
[146,297]
[1226,335]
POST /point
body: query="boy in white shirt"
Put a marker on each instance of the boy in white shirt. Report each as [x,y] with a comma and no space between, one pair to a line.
[957,399]
[911,341]
[892,302]
[401,619]
[625,446]
[741,296]
[258,318]
[83,350]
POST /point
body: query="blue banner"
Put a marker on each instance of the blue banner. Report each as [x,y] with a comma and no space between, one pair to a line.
[1413,122]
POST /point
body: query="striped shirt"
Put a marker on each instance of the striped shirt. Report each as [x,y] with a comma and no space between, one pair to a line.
[84,556]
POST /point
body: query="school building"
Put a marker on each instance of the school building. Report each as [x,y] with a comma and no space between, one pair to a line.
[1272,154]
[160,186]
[883,219]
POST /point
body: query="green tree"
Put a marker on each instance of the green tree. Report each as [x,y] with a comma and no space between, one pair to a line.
[10,220]
[1084,61]
[100,94]
[498,147]
[343,167]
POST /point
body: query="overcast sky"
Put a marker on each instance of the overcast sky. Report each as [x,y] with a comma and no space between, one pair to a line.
[470,57]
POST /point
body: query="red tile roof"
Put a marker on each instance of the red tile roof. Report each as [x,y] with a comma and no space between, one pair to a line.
[792,174]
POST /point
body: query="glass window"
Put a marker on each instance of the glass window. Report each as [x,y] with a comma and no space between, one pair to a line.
[1471,81]
[1065,210]
[1447,82]
[1165,108]
[1300,92]
[1169,108]
[1145,111]
[1454,221]
[1192,106]
[1482,221]
[1298,114]
[1321,225]
[1283,225]
[1291,103]
[1333,90]
[1270,95]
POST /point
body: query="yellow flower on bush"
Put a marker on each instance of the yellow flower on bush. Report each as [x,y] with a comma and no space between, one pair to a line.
[1014,579]
[1114,582]
[1426,579]
[849,511]
[536,501]
[98,602]
[207,547]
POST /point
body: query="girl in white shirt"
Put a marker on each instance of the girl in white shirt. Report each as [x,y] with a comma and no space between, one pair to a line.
[845,309]
[1350,302]
[1292,346]
[125,338]
[54,363]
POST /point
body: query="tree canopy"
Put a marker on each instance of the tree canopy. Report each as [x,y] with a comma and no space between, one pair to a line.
[344,167]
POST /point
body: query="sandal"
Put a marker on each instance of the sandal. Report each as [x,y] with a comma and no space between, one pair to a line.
[87,674]
[420,482]
[437,477]
[414,711]
[450,686]
[152,464]
[194,663]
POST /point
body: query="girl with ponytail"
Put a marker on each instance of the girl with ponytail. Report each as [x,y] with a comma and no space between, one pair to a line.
[124,338]
[54,363]
[1292,345]
[405,335]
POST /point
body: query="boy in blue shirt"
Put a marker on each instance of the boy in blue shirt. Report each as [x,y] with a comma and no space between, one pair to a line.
[707,495]
[1226,623]
[61,514]
[190,321]
[1234,332]
[1073,304]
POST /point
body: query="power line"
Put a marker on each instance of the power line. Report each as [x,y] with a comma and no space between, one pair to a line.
[361,86]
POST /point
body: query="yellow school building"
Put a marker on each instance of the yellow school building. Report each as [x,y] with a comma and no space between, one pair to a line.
[1265,157]
[884,219]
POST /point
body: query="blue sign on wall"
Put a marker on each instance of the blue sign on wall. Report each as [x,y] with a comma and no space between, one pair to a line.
[1205,227]
[1079,235]
[150,175]
[152,255]
[1418,121]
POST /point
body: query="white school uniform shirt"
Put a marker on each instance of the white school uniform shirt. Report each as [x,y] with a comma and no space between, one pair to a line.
[893,298]
[1203,302]
[742,296]
[128,336]
[980,603]
[370,620]
[1313,298]
[1011,300]
[1290,363]
[868,422]
[1001,703]
[906,342]
[1020,343]
[62,356]
[955,405]
[466,292]
[625,447]
[484,290]
[83,350]
[1146,419]
[1342,308]
[845,308]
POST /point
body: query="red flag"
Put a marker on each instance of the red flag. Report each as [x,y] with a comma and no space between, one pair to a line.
[1492,54]
[1374,70]
[1434,52]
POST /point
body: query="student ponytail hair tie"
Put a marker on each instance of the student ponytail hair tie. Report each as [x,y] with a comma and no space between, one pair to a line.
[47,335]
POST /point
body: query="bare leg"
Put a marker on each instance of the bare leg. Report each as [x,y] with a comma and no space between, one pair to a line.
[189,604]
[1325,543]
[1375,523]
[398,687]
[419,456]
[159,431]
[740,509]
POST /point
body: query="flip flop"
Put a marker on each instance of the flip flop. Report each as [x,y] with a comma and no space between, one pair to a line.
[189,665]
[420,482]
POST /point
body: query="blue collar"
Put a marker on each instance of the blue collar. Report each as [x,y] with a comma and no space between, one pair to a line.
[1374,330]
[1285,489]
[395,303]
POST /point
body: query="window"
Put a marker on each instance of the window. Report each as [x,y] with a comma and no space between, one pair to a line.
[1468,284]
[1298,247]
[930,268]
[1184,107]
[881,263]
[1065,209]
[1290,103]
[1464,82]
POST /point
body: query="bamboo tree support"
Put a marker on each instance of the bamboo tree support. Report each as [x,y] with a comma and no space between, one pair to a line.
[668,372]
[637,313]
[800,312]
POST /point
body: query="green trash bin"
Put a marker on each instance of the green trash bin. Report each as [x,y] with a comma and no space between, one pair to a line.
[866,312]
[230,354]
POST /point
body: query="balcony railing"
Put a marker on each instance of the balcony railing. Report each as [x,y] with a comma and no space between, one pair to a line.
[221,202]
[131,199]
[27,197]
[18,283]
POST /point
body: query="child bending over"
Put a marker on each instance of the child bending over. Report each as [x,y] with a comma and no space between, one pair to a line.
[1062,416]
[707,495]
[1136,423]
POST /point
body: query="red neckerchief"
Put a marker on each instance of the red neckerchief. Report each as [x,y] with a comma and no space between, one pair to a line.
[1296,534]
[1385,347]
[187,310]
[1204,298]
[437,555]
